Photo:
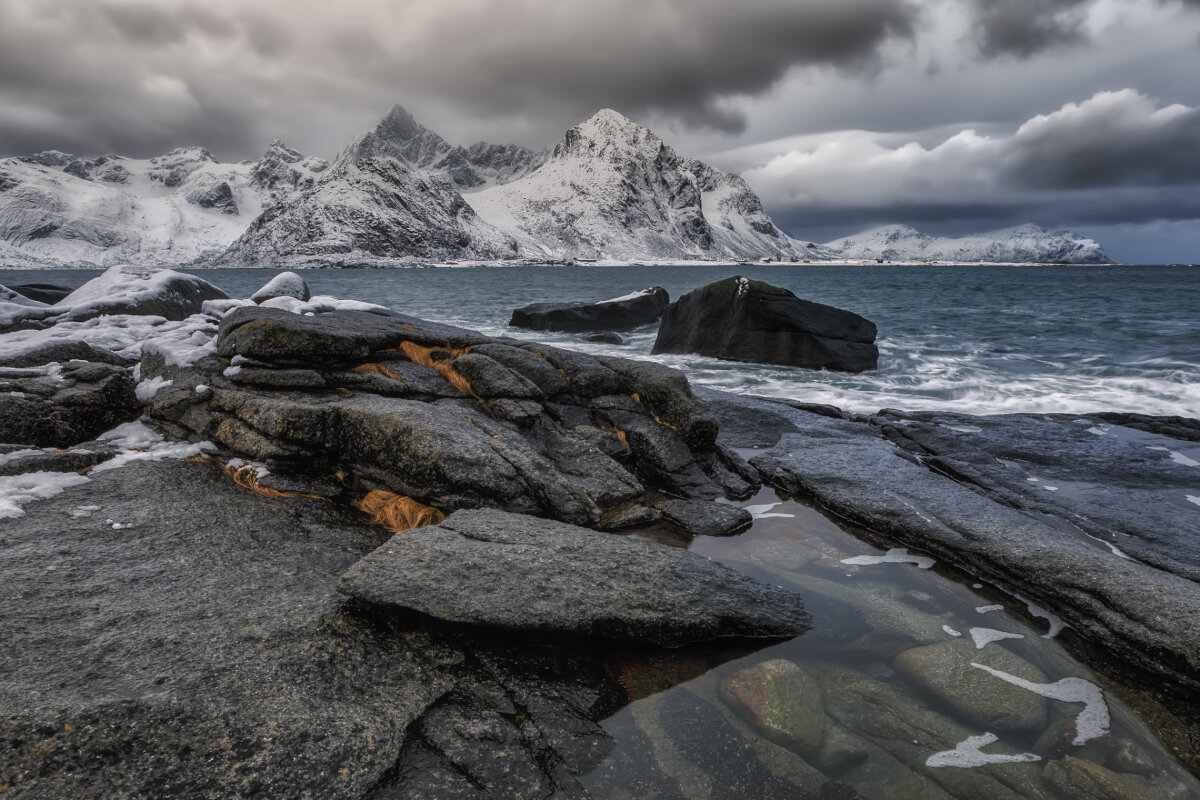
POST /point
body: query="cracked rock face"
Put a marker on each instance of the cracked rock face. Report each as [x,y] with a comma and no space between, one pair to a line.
[515,572]
[447,416]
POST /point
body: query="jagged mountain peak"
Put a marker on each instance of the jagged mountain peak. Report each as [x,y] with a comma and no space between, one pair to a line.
[399,125]
[278,149]
[609,131]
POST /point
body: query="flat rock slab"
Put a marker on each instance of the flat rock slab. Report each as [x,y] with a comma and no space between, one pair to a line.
[515,572]
[1126,486]
[702,518]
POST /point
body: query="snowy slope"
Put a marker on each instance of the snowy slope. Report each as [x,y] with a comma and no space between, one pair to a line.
[1022,244]
[56,209]
[613,190]
[481,165]
[372,204]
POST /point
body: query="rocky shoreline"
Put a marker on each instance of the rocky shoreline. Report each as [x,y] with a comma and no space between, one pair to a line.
[197,602]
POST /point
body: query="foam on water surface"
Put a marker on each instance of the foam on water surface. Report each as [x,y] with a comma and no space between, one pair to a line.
[1091,723]
[969,753]
[897,555]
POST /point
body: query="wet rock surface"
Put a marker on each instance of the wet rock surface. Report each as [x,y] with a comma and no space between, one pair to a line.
[1135,615]
[744,320]
[515,572]
[618,314]
[701,518]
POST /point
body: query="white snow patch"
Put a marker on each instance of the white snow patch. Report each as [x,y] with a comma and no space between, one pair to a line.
[1091,723]
[231,371]
[624,297]
[131,434]
[985,636]
[19,490]
[897,555]
[13,456]
[83,511]
[964,428]
[157,452]
[762,511]
[201,388]
[970,753]
[146,390]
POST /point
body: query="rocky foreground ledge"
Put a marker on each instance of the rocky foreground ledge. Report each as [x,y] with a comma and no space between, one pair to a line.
[170,633]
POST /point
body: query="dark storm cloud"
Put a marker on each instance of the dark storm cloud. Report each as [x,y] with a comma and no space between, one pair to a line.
[1116,157]
[138,76]
[1024,28]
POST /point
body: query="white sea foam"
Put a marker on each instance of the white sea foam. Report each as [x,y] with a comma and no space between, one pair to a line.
[950,631]
[989,609]
[985,636]
[1091,723]
[763,511]
[1191,498]
[897,555]
[970,753]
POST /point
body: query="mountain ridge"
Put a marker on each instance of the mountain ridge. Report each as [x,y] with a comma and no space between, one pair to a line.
[610,189]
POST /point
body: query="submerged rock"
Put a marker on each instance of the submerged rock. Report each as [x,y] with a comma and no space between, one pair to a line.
[945,673]
[618,314]
[781,701]
[515,572]
[604,337]
[744,320]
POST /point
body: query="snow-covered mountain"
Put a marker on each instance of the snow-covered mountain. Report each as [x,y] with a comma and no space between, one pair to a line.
[613,189]
[1022,244]
[610,189]
[481,165]
[57,209]
[372,204]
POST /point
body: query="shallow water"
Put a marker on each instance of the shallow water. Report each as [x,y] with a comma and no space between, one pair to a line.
[972,339]
[882,732]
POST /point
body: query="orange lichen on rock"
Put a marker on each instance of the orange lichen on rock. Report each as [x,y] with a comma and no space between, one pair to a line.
[247,476]
[380,369]
[424,356]
[397,512]
[624,440]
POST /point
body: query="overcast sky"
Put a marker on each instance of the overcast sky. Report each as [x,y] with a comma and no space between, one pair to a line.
[950,115]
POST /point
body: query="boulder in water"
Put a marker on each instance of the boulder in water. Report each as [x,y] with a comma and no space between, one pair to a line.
[285,284]
[48,293]
[743,320]
[618,314]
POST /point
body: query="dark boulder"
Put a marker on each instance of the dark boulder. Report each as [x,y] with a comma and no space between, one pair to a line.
[618,314]
[42,292]
[521,573]
[743,320]
[219,196]
[53,406]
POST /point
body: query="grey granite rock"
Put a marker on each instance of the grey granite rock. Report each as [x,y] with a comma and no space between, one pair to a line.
[702,518]
[514,572]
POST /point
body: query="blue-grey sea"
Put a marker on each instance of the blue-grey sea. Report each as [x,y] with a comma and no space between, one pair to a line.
[973,339]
